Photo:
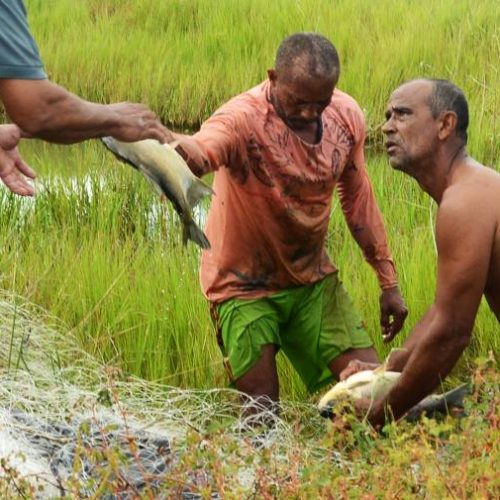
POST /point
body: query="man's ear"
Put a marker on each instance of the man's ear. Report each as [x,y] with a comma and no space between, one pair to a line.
[271,73]
[447,124]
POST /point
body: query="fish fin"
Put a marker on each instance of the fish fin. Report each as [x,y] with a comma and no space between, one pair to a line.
[197,191]
[153,182]
[110,145]
[192,232]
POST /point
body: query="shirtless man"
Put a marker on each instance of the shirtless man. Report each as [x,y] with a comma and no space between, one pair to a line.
[426,132]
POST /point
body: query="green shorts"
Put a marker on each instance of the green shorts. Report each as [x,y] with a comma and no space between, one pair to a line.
[313,325]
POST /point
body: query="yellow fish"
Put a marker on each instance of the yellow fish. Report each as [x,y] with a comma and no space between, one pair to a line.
[367,384]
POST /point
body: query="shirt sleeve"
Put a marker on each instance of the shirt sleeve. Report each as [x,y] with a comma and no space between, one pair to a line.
[19,56]
[219,142]
[362,213]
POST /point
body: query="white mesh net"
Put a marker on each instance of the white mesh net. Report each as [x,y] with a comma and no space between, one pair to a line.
[73,426]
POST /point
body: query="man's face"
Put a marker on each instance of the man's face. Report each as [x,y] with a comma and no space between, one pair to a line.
[411,131]
[300,101]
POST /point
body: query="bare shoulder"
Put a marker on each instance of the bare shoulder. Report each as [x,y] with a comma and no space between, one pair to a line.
[465,215]
[468,238]
[474,194]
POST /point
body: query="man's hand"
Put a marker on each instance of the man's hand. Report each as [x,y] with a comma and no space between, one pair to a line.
[13,170]
[366,409]
[355,366]
[374,413]
[136,122]
[393,313]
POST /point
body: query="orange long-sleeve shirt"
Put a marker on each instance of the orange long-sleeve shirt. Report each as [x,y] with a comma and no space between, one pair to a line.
[269,216]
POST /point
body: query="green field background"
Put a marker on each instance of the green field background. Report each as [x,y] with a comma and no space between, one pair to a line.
[100,252]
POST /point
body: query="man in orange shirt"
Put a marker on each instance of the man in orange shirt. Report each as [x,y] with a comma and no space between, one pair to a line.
[278,152]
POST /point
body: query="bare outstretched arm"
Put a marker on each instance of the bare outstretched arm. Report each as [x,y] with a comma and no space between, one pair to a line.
[47,111]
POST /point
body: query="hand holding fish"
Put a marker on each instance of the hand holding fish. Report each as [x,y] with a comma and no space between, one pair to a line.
[355,366]
[371,411]
[13,169]
[393,313]
[135,122]
[369,393]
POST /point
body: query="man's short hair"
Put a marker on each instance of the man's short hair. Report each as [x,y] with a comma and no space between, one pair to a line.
[446,96]
[310,52]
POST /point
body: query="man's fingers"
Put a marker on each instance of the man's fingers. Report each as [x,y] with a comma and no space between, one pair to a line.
[347,372]
[355,366]
[25,169]
[393,313]
[160,133]
[395,326]
[399,321]
[385,323]
[389,336]
[21,165]
[142,129]
[18,185]
[11,175]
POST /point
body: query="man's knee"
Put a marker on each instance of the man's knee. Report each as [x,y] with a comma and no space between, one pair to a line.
[261,380]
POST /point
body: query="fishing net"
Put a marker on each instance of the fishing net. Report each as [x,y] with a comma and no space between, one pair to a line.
[72,426]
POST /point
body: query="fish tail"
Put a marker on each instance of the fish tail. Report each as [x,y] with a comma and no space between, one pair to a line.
[194,233]
[455,397]
[197,191]
[439,403]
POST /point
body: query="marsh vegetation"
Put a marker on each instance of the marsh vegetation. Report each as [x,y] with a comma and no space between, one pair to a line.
[99,251]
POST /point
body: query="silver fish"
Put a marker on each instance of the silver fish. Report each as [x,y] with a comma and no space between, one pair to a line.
[168,171]
[375,384]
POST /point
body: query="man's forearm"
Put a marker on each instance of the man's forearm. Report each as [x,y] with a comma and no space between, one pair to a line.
[47,111]
[376,253]
[366,224]
[432,355]
[56,115]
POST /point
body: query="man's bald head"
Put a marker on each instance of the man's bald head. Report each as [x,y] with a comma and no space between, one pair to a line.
[307,55]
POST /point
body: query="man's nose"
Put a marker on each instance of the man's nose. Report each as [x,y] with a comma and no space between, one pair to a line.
[387,126]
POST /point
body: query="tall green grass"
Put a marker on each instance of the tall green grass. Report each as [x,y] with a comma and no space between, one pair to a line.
[123,283]
[120,279]
[186,57]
